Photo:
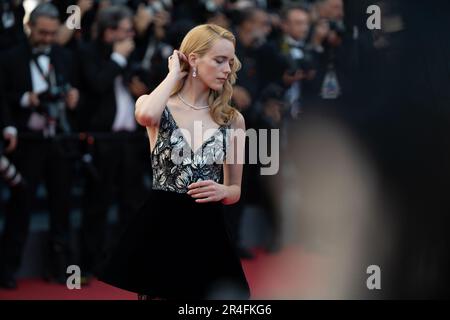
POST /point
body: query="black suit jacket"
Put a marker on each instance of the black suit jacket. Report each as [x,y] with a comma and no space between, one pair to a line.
[261,66]
[5,115]
[15,67]
[98,73]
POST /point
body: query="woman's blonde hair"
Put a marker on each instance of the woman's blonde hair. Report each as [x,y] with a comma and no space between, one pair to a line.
[199,40]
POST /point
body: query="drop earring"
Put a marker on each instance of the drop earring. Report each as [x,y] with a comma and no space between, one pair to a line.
[194,73]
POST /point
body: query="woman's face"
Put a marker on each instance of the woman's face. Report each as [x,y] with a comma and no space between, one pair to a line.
[214,67]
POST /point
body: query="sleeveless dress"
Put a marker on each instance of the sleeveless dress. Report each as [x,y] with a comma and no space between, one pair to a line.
[175,248]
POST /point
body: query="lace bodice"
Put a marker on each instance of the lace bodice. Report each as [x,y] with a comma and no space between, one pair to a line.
[175,165]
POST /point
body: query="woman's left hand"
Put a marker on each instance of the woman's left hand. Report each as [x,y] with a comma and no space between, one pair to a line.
[207,191]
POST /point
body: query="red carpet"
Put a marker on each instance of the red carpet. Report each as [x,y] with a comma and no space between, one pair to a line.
[268,275]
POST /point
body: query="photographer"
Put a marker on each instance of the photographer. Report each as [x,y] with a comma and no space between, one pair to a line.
[252,28]
[152,22]
[42,102]
[329,44]
[120,147]
[296,25]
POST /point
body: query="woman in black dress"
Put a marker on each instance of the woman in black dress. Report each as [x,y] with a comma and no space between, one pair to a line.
[178,245]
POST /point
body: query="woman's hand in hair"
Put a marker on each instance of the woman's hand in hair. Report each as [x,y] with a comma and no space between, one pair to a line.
[175,64]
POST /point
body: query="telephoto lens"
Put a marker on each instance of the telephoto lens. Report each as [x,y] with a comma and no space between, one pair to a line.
[9,172]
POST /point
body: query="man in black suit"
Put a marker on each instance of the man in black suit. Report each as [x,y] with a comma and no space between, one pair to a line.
[41,102]
[120,149]
[296,22]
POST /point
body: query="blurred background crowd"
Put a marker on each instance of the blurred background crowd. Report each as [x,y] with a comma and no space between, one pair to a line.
[67,108]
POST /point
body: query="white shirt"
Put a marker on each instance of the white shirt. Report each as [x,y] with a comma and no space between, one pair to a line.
[38,85]
[124,118]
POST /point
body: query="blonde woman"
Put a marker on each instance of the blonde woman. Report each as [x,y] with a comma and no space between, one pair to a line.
[178,246]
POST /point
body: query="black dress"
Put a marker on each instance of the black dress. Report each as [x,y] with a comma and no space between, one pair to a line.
[175,248]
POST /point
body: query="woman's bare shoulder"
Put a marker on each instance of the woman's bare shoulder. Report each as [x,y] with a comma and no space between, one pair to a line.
[238,121]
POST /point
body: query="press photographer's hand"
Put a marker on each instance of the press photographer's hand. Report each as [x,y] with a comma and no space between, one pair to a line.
[124,47]
[241,97]
[162,19]
[85,5]
[142,19]
[321,31]
[33,99]
[290,77]
[11,140]
[137,87]
[72,98]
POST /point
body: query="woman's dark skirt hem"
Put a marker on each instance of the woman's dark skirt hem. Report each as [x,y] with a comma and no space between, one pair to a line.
[175,248]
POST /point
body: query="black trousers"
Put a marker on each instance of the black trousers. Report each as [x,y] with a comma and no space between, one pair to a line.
[121,163]
[37,160]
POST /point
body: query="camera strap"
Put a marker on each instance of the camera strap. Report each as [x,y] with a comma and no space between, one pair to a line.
[50,128]
[44,76]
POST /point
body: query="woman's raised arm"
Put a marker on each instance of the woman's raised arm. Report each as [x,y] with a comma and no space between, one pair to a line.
[150,107]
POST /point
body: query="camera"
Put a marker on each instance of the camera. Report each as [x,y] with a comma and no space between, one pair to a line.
[157,6]
[53,95]
[52,105]
[307,63]
[211,5]
[304,63]
[337,26]
[8,171]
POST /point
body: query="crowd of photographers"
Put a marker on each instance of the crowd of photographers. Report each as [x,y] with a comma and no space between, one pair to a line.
[68,94]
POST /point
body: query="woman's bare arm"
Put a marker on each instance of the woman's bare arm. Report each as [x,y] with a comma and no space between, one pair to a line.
[150,107]
[230,191]
[232,169]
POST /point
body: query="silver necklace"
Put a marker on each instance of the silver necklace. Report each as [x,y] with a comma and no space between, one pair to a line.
[191,105]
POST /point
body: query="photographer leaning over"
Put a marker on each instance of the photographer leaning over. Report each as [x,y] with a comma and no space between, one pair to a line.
[41,102]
